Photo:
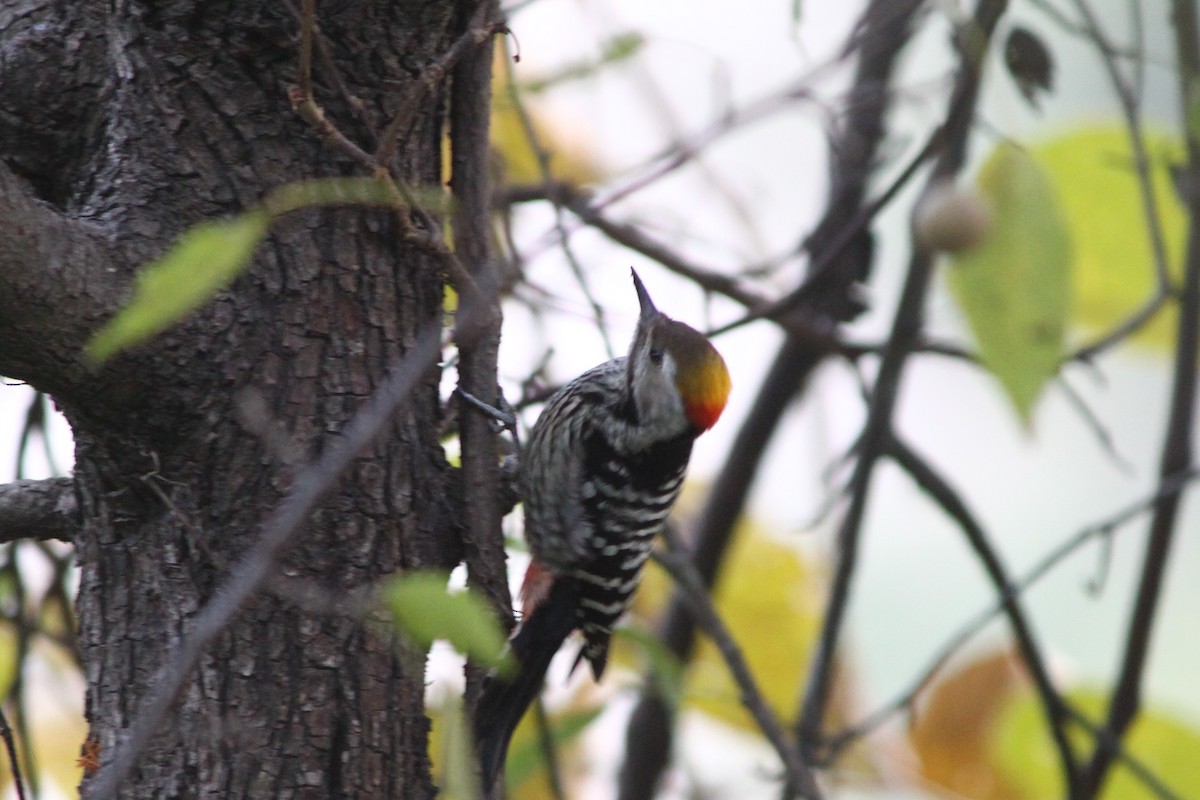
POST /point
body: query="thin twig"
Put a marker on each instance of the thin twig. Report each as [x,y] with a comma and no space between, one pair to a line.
[549,750]
[543,162]
[478,31]
[1093,421]
[308,16]
[829,256]
[675,561]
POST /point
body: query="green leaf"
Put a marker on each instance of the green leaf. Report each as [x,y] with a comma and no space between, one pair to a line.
[423,609]
[1015,287]
[204,260]
[333,192]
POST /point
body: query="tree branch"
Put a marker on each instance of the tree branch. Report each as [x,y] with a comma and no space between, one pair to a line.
[41,510]
[949,500]
[905,335]
[1177,446]
[887,29]
[59,279]
[483,539]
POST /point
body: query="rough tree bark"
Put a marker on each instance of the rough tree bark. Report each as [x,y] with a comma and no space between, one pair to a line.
[121,124]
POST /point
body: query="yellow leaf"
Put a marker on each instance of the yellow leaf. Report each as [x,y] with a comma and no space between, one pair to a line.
[1092,170]
[1023,752]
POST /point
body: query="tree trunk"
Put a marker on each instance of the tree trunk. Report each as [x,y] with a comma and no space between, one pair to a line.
[133,120]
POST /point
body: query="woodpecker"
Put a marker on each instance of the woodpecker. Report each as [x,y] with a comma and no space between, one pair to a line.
[602,468]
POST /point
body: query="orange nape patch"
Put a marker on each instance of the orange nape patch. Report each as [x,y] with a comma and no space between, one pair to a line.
[535,588]
[704,389]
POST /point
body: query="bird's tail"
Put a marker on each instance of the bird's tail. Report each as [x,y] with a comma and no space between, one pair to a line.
[504,700]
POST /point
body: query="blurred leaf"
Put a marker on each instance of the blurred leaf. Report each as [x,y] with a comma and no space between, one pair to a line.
[324,192]
[423,609]
[8,657]
[981,733]
[526,758]
[569,160]
[1092,170]
[770,600]
[1193,110]
[952,733]
[204,260]
[1014,287]
[1023,751]
[661,662]
[1029,62]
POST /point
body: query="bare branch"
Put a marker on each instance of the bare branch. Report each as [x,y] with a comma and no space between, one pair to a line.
[905,335]
[59,279]
[1177,446]
[41,509]
[949,500]
[881,40]
[483,539]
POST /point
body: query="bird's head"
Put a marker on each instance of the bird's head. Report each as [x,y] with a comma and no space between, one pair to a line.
[676,377]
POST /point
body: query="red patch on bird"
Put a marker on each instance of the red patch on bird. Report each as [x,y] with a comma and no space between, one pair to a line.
[705,414]
[535,588]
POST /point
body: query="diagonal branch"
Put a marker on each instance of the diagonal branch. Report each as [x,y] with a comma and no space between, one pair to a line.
[675,561]
[949,500]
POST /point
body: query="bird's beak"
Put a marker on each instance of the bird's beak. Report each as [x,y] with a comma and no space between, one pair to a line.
[648,309]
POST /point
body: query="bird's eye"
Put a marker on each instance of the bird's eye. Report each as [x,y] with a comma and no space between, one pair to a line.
[656,356]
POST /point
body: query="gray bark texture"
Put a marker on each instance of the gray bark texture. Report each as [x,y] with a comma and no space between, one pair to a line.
[122,123]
